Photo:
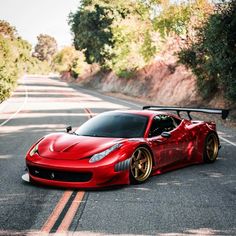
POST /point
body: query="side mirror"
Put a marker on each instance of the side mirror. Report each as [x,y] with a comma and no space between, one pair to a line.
[165,134]
[68,129]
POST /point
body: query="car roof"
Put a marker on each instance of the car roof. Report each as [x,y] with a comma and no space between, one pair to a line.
[147,113]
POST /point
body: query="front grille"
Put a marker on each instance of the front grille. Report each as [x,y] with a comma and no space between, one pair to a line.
[66,176]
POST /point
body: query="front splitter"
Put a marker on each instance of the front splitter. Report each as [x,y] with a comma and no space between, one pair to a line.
[26,177]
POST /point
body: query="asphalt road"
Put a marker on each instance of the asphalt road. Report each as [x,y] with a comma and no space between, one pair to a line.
[196,200]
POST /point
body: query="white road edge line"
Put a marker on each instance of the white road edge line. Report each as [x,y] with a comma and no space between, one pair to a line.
[20,108]
[226,140]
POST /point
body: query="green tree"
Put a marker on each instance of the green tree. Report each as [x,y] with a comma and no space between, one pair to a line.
[130,51]
[173,18]
[212,56]
[9,59]
[180,17]
[69,59]
[6,30]
[15,59]
[92,32]
[148,49]
[46,48]
[8,70]
[113,33]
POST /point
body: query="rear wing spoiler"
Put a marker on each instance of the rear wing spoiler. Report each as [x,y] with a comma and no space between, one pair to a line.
[223,112]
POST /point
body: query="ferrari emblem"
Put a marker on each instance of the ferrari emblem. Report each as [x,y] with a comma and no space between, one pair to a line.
[52,175]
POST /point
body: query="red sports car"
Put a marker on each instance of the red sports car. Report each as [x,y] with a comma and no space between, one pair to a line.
[122,147]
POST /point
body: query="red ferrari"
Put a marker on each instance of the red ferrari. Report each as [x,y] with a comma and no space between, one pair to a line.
[122,147]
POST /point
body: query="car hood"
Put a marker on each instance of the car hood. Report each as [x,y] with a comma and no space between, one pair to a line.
[73,147]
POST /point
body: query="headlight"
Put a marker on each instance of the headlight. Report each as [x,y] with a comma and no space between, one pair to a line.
[34,150]
[101,155]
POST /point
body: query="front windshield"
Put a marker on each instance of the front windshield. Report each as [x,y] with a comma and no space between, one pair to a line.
[114,124]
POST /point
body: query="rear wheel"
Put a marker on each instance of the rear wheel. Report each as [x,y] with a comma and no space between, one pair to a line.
[140,165]
[211,148]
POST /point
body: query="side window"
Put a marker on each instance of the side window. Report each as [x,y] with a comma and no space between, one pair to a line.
[176,121]
[155,129]
[160,124]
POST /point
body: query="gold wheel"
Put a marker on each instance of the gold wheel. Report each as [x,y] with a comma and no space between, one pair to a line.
[212,147]
[141,164]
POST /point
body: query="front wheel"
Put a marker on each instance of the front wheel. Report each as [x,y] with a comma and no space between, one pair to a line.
[140,165]
[211,148]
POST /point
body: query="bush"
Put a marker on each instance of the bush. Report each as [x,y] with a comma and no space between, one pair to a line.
[69,59]
[212,56]
[15,59]
[8,70]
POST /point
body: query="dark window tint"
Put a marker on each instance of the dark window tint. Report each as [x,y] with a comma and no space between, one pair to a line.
[114,124]
[176,121]
[160,124]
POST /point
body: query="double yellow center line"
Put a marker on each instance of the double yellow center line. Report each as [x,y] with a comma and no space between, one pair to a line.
[64,212]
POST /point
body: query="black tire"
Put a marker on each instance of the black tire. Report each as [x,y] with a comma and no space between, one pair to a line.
[140,165]
[211,148]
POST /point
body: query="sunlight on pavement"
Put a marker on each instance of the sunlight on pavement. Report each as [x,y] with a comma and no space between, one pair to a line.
[198,232]
[50,107]
[187,232]
[142,189]
[212,174]
[25,114]
[35,128]
[47,98]
[225,135]
[162,183]
[5,156]
[39,105]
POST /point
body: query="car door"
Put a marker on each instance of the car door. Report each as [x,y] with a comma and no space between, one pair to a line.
[176,145]
[168,150]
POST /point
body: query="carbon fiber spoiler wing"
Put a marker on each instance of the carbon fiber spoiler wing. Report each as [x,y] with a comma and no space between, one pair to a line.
[223,112]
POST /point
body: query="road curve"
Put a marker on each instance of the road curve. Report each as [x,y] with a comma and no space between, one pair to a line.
[197,200]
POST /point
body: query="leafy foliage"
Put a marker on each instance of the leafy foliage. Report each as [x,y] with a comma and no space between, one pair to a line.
[46,48]
[173,18]
[8,71]
[7,30]
[15,59]
[180,17]
[69,59]
[148,49]
[92,32]
[124,35]
[114,34]
[212,56]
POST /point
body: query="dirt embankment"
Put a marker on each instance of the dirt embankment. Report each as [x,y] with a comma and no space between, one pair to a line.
[162,82]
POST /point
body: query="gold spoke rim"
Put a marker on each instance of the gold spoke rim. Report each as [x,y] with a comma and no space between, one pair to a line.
[212,147]
[141,164]
[142,170]
[139,155]
[143,160]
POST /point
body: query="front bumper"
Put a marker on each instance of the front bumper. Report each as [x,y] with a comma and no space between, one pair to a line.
[76,174]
